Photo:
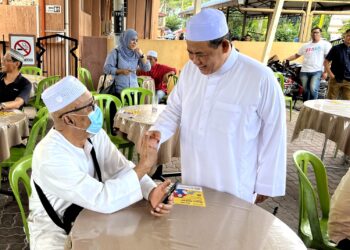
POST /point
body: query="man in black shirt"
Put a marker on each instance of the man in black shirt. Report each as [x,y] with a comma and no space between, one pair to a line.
[339,70]
[14,88]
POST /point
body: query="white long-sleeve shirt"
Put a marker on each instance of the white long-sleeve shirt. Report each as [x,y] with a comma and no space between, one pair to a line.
[232,128]
[66,173]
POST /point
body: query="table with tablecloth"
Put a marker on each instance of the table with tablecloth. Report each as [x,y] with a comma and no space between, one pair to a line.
[330,117]
[135,120]
[13,128]
[226,222]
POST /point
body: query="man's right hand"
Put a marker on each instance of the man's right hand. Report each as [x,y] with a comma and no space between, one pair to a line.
[331,75]
[148,150]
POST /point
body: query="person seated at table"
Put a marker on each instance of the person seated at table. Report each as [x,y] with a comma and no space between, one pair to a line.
[231,114]
[159,72]
[14,88]
[339,214]
[76,166]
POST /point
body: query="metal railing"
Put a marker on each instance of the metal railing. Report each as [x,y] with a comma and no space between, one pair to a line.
[56,55]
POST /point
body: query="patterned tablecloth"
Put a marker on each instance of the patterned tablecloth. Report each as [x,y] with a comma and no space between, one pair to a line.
[13,127]
[134,120]
[330,117]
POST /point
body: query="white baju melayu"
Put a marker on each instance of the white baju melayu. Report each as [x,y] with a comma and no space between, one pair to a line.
[232,128]
[66,175]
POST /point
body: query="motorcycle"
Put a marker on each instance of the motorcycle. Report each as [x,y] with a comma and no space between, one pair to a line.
[292,84]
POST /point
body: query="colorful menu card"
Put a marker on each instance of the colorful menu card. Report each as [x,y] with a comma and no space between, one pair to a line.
[189,195]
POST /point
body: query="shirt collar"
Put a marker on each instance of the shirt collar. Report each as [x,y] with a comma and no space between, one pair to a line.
[230,61]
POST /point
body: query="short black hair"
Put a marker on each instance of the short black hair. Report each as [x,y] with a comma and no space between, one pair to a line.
[16,60]
[347,31]
[316,28]
[216,42]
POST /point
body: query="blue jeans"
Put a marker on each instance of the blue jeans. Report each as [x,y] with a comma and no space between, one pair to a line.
[311,84]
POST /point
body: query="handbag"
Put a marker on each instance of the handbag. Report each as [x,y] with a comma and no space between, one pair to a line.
[108,84]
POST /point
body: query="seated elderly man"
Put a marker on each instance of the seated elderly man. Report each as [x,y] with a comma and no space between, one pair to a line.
[76,166]
[159,72]
[14,88]
[339,214]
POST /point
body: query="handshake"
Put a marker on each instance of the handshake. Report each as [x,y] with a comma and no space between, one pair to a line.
[148,151]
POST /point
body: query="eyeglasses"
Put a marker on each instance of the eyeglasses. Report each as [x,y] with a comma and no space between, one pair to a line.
[91,104]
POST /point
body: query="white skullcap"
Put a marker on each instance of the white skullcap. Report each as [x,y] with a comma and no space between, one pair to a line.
[152,53]
[17,55]
[63,93]
[209,24]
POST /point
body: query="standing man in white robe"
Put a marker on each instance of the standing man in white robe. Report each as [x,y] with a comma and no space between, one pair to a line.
[231,114]
[64,167]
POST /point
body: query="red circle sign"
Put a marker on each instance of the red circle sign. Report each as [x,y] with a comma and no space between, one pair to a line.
[23,46]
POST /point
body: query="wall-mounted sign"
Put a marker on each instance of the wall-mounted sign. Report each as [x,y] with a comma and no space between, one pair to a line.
[24,44]
[53,9]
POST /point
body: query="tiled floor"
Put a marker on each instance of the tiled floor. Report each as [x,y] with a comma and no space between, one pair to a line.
[12,236]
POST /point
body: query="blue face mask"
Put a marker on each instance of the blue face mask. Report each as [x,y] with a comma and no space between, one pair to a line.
[96,119]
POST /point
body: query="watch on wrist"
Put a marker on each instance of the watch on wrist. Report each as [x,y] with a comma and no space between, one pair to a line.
[2,106]
[142,56]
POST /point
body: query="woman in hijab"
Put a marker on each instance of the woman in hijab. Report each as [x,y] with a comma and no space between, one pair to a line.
[123,61]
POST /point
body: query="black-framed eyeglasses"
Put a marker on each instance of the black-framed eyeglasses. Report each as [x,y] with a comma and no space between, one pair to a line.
[91,104]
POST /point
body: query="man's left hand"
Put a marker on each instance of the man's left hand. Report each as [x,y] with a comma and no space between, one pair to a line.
[155,198]
[260,198]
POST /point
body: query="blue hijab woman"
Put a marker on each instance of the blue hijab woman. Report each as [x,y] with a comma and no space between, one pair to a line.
[123,61]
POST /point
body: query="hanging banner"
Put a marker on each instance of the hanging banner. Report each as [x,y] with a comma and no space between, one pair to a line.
[24,44]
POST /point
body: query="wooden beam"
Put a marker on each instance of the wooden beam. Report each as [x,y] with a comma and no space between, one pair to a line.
[272,30]
[318,1]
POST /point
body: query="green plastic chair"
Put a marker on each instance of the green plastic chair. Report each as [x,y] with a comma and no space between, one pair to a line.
[17,153]
[104,101]
[31,70]
[42,85]
[19,174]
[86,78]
[287,99]
[172,81]
[140,81]
[313,230]
[134,100]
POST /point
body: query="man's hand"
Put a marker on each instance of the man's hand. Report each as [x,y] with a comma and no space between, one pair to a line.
[331,75]
[260,198]
[324,76]
[155,198]
[148,155]
[153,140]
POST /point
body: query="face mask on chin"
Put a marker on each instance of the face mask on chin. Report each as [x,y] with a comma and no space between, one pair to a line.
[96,122]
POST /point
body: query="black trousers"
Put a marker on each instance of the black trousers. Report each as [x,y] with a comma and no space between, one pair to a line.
[344,244]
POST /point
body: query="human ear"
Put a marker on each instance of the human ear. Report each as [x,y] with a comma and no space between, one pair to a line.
[226,45]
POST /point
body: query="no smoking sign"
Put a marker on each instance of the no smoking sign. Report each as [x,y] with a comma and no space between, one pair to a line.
[24,44]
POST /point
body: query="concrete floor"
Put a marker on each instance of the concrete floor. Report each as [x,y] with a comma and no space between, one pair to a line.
[12,235]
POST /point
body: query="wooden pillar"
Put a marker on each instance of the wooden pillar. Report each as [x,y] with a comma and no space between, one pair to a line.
[302,27]
[272,30]
[308,22]
[197,6]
